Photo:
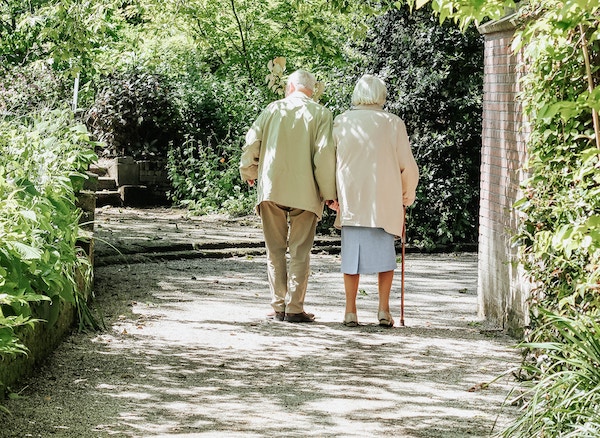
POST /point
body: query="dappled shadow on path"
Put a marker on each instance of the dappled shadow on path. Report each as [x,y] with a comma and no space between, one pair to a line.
[189,352]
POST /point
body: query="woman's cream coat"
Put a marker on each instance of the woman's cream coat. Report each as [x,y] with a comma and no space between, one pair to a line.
[376,172]
[289,151]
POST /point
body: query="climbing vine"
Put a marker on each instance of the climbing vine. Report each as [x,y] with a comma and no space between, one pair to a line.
[559,236]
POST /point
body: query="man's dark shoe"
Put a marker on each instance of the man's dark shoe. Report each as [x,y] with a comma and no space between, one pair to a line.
[279,316]
[299,317]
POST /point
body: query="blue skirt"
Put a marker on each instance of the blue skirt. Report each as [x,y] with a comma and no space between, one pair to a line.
[367,250]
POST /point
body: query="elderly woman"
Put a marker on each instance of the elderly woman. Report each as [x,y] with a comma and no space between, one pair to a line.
[377,177]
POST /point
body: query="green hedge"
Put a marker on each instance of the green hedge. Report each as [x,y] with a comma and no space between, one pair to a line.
[435,77]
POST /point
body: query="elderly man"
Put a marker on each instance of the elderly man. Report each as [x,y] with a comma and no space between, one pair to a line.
[290,155]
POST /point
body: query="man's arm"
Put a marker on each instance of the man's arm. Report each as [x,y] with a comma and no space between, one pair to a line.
[249,162]
[250,155]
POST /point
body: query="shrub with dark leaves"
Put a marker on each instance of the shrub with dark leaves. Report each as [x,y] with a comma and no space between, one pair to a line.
[135,115]
[435,79]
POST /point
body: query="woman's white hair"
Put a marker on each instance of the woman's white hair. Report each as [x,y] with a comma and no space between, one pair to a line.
[302,79]
[369,90]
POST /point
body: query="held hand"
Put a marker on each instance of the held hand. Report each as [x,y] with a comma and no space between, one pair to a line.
[333,204]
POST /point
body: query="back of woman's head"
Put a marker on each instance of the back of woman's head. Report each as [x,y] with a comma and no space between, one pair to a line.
[369,90]
[302,80]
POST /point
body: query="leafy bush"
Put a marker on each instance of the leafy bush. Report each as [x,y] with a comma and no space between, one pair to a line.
[32,88]
[206,182]
[560,233]
[215,108]
[564,401]
[41,167]
[204,170]
[435,79]
[135,114]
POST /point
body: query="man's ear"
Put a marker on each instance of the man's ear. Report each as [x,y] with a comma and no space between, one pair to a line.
[289,89]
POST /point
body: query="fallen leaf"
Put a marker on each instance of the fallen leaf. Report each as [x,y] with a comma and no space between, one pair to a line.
[478,387]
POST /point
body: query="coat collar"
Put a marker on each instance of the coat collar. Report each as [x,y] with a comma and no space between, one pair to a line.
[373,107]
[298,94]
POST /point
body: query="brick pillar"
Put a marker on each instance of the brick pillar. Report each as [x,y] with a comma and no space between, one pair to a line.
[502,290]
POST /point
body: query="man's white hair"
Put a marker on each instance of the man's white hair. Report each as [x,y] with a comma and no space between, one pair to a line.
[302,79]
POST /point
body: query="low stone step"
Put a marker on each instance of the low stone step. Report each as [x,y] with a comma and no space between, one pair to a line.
[106,183]
[98,170]
[135,195]
[108,197]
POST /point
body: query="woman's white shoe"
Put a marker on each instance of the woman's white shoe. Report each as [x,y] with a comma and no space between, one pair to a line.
[385,318]
[350,320]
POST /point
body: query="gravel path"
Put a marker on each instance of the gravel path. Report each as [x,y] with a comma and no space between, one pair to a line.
[188,351]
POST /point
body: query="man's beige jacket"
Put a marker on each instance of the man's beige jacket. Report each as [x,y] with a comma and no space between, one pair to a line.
[376,172]
[289,152]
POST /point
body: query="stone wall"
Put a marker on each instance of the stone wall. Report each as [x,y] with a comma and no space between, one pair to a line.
[502,289]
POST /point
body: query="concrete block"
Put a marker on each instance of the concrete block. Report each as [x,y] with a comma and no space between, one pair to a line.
[107,183]
[109,197]
[135,195]
[125,171]
[87,202]
[153,173]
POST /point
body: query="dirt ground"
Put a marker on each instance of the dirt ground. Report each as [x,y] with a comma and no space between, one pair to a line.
[188,352]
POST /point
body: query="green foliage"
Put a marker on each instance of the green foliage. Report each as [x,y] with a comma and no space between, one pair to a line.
[560,233]
[66,34]
[564,401]
[32,88]
[135,114]
[216,109]
[204,170]
[435,78]
[467,12]
[206,182]
[238,38]
[17,37]
[41,168]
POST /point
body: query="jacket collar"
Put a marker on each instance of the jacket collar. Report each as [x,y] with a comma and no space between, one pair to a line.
[373,107]
[298,95]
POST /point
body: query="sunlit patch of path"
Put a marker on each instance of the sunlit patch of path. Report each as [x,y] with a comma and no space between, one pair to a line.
[207,362]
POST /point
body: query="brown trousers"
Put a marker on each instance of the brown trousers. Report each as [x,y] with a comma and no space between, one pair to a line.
[294,229]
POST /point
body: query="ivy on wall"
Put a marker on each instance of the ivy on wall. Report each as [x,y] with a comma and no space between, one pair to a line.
[559,236]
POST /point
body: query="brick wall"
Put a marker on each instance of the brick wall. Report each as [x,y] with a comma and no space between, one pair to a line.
[502,290]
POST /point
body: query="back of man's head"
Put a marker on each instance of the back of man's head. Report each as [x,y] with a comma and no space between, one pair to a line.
[302,81]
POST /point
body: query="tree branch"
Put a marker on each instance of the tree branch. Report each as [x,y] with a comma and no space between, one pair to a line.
[590,79]
[244,48]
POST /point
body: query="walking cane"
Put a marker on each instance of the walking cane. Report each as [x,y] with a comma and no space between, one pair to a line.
[402,271]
